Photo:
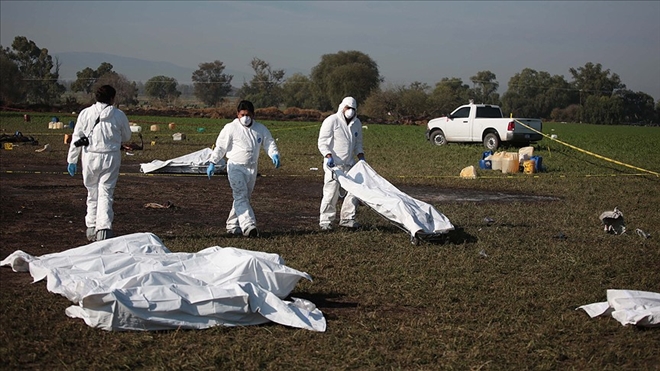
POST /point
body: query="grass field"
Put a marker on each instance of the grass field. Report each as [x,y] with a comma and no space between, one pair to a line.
[493,297]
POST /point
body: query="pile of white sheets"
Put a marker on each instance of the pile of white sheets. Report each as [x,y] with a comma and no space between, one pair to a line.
[417,217]
[134,282]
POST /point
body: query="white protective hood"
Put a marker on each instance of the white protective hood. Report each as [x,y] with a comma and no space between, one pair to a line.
[134,282]
[417,217]
[192,163]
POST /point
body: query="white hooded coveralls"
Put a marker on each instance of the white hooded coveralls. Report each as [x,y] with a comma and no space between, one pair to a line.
[344,141]
[100,159]
[241,145]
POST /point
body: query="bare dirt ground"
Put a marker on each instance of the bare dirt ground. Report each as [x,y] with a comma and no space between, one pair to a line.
[43,208]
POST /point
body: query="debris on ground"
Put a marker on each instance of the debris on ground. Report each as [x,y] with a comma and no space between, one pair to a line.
[613,221]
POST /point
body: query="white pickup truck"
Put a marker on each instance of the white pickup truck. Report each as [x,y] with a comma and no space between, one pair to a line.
[473,123]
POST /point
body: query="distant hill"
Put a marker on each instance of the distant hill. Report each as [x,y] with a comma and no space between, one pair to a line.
[133,68]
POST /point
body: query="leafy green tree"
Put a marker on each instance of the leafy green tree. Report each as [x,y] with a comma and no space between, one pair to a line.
[88,77]
[592,80]
[413,102]
[298,91]
[485,88]
[346,73]
[448,94]
[162,88]
[127,91]
[637,107]
[38,71]
[210,83]
[532,93]
[381,105]
[264,89]
[11,82]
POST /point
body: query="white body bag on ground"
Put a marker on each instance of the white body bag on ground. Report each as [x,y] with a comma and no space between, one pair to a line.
[134,282]
[629,307]
[418,218]
[192,163]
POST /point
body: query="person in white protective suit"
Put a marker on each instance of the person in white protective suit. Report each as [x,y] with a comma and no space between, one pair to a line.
[98,135]
[340,141]
[240,140]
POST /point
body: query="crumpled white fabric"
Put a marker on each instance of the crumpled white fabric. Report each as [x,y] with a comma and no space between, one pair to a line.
[416,216]
[192,163]
[629,307]
[134,282]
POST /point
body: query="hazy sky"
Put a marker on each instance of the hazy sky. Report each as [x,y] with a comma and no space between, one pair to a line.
[409,40]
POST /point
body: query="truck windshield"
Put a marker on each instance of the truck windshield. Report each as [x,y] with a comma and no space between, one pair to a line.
[489,112]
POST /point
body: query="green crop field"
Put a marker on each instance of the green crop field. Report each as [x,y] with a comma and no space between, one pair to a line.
[497,296]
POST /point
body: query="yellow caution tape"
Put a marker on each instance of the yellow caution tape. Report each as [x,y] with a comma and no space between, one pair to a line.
[587,152]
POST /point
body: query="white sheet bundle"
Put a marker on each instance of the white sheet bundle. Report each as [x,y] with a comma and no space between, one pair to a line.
[192,163]
[415,216]
[629,307]
[134,282]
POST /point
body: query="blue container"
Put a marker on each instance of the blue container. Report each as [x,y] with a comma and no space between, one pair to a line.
[486,164]
[486,154]
[538,163]
[72,124]
[54,119]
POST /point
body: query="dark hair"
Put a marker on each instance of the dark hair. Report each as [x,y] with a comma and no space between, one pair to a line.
[245,105]
[105,94]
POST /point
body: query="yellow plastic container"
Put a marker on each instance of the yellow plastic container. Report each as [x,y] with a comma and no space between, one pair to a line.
[510,163]
[8,146]
[529,166]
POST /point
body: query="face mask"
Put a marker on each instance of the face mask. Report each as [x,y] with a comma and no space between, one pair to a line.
[349,113]
[245,120]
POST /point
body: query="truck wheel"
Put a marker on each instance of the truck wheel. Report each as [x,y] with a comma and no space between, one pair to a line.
[491,141]
[438,138]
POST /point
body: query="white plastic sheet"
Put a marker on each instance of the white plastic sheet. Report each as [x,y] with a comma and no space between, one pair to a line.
[134,282]
[416,216]
[629,307]
[192,163]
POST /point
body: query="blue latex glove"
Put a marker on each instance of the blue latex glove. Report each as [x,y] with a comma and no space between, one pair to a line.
[210,170]
[276,161]
[330,161]
[72,169]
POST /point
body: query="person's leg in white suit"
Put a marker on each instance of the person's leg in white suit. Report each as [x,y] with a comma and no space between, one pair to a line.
[241,217]
[100,174]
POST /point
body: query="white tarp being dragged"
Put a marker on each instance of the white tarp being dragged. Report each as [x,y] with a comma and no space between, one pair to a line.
[192,163]
[417,217]
[629,307]
[134,282]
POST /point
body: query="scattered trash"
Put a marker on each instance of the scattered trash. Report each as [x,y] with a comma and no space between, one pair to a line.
[178,136]
[483,254]
[641,233]
[488,221]
[18,137]
[153,205]
[313,169]
[469,173]
[613,221]
[560,236]
[45,149]
[134,146]
[130,154]
[553,136]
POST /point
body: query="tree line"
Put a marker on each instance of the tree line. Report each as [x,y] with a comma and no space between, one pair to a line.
[29,75]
